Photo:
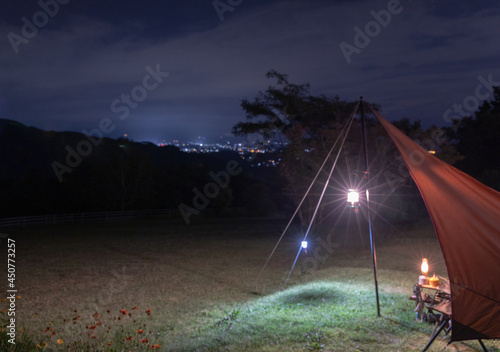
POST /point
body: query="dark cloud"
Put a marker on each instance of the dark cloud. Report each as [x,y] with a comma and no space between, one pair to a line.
[66,77]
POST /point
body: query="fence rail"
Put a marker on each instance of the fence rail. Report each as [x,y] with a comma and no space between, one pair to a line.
[21,221]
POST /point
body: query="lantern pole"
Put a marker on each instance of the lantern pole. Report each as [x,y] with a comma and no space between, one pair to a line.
[367,176]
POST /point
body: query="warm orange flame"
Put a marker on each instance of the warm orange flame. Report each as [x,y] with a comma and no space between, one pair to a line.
[425,266]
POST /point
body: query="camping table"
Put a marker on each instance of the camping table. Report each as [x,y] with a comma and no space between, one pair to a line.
[439,306]
[441,303]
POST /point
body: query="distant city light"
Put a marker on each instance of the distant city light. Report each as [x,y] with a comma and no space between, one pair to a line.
[256,156]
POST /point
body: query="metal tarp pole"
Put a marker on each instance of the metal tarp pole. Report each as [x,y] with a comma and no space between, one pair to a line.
[367,175]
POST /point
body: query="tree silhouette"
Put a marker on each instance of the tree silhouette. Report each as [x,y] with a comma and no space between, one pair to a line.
[476,138]
[304,126]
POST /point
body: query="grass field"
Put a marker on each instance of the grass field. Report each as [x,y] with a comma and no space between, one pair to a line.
[161,285]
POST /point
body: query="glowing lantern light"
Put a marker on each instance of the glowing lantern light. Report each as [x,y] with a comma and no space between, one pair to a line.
[304,246]
[424,267]
[353,198]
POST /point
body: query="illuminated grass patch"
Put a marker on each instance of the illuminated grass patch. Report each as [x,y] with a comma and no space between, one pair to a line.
[331,316]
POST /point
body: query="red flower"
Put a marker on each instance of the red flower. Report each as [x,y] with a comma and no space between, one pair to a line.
[123,311]
[148,312]
[134,308]
[96,315]
[154,347]
[77,317]
[92,327]
[145,340]
[140,331]
[128,338]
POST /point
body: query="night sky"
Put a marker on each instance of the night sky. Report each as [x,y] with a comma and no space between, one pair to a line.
[179,69]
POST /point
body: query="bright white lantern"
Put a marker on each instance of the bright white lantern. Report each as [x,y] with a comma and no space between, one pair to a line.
[353,197]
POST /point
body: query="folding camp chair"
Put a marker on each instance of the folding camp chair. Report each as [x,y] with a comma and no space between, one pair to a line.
[440,310]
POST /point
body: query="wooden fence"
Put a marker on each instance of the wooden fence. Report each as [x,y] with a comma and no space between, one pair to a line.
[21,221]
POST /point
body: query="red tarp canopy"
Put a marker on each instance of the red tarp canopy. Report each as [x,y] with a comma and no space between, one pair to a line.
[466,218]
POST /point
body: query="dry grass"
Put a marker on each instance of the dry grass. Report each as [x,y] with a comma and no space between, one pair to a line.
[194,277]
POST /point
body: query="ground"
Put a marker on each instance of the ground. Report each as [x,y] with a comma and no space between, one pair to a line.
[140,284]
